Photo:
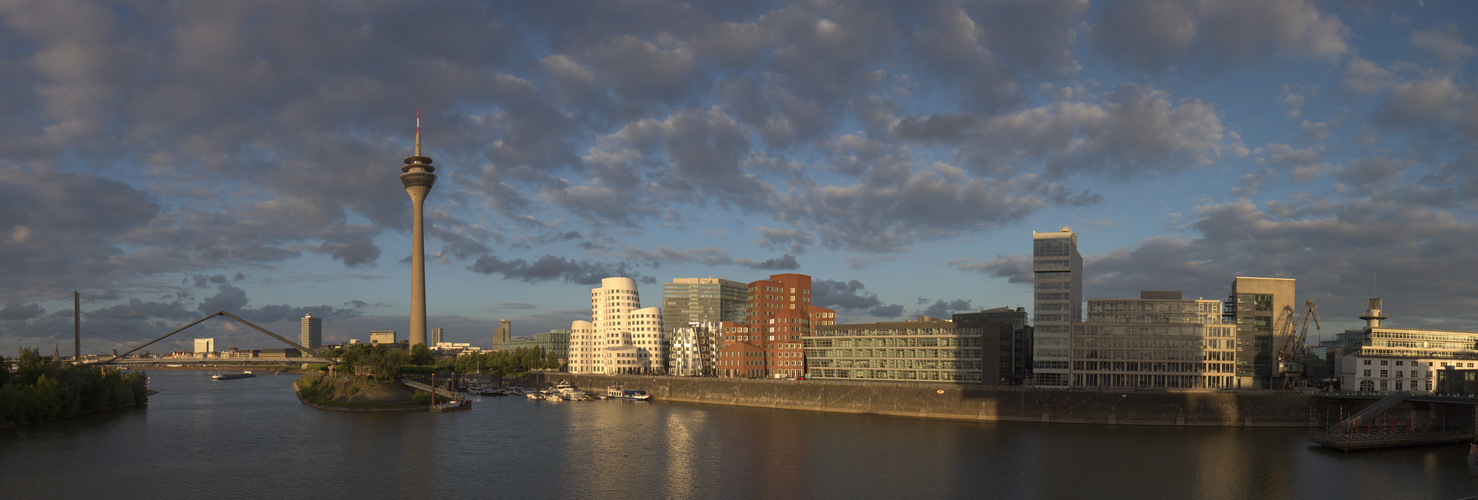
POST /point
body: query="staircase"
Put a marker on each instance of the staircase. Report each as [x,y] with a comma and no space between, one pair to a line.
[1369,412]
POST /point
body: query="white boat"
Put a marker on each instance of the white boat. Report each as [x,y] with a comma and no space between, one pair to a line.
[616,392]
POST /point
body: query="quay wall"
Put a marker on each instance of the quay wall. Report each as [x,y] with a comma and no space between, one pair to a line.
[974,402]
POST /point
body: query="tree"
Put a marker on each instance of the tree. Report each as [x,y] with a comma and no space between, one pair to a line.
[421,355]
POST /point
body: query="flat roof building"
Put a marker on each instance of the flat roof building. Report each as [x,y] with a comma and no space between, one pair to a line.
[311,332]
[1158,341]
[1057,274]
[1404,359]
[1263,310]
[1015,350]
[382,337]
[924,349]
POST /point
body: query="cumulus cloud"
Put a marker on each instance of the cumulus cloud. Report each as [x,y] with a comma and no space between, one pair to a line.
[946,309]
[551,268]
[1159,35]
[1134,128]
[1445,43]
[851,296]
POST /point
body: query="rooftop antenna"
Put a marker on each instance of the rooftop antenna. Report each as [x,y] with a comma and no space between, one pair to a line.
[418,131]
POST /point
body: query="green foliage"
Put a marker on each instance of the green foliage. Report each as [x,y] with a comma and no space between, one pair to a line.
[421,355]
[378,360]
[43,389]
[497,362]
[421,398]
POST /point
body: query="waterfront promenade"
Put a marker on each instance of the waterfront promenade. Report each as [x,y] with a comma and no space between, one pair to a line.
[975,402]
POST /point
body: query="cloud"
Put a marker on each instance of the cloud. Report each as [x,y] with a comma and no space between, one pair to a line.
[1015,268]
[784,263]
[1133,129]
[551,268]
[1445,43]
[1160,35]
[16,310]
[846,295]
[946,309]
[1367,77]
[774,239]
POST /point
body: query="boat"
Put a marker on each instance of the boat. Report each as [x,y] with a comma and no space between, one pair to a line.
[451,406]
[493,391]
[232,376]
[616,392]
[534,396]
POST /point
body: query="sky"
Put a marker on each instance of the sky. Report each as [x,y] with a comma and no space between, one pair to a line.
[173,159]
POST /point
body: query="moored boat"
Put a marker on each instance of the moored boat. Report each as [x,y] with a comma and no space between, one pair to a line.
[232,376]
[616,392]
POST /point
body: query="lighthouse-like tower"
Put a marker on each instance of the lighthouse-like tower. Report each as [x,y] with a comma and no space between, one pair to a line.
[418,179]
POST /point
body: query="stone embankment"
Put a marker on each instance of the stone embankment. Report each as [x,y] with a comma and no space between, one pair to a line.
[975,402]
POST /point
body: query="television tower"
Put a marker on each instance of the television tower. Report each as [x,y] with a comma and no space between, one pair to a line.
[418,179]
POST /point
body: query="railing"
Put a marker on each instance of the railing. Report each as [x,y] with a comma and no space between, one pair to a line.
[1370,411]
[428,388]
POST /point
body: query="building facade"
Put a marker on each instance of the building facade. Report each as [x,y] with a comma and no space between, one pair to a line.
[702,300]
[622,337]
[769,343]
[925,349]
[1016,349]
[311,332]
[382,337]
[436,336]
[693,349]
[1404,359]
[1158,341]
[502,334]
[205,346]
[1263,310]
[1057,272]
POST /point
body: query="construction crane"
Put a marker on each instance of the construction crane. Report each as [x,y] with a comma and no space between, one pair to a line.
[1293,354]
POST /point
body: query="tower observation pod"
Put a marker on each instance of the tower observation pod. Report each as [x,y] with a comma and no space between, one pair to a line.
[418,178]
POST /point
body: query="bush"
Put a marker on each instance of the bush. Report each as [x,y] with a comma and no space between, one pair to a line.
[44,389]
[421,398]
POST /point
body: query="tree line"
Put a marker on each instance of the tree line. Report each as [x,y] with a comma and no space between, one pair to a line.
[44,389]
[382,361]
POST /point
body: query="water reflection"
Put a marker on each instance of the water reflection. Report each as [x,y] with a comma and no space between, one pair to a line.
[251,438]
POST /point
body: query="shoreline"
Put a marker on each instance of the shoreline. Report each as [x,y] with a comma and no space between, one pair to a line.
[964,402]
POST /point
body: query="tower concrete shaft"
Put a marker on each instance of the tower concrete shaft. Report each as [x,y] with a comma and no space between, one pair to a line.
[418,179]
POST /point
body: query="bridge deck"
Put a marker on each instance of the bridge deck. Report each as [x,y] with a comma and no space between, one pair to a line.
[424,387]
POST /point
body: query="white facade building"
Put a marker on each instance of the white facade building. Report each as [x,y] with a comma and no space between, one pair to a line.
[1057,271]
[622,336]
[205,346]
[694,350]
[1404,359]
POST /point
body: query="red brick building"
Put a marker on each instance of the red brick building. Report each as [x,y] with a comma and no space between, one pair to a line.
[769,343]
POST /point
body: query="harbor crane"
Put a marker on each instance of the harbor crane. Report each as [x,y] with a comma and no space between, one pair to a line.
[1294,354]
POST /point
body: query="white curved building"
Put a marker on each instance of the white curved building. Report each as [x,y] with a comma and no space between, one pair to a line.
[622,337]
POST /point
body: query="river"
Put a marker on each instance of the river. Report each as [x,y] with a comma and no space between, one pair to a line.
[250,438]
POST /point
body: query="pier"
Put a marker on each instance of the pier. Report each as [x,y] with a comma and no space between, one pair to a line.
[1396,420]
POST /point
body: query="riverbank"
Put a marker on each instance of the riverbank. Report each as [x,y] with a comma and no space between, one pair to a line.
[977,403]
[320,391]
